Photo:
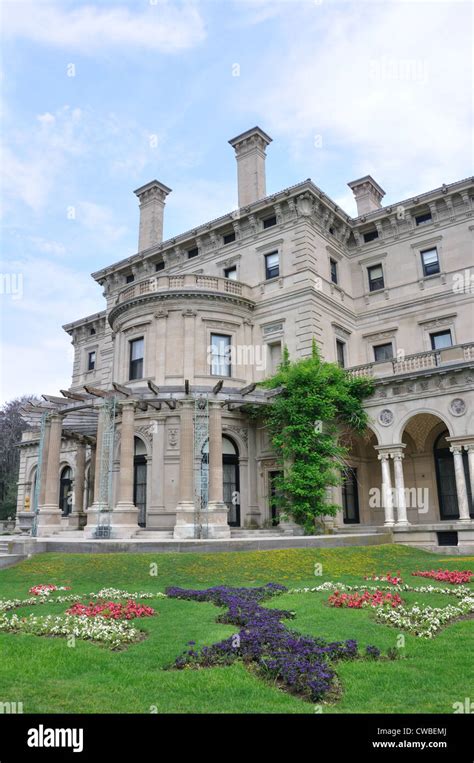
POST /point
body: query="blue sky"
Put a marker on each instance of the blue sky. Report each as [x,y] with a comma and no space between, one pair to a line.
[344,89]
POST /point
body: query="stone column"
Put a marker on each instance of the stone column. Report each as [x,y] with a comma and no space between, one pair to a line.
[93,511]
[254,516]
[461,488]
[49,517]
[77,516]
[44,460]
[92,469]
[184,527]
[470,456]
[398,457]
[215,521]
[387,500]
[124,517]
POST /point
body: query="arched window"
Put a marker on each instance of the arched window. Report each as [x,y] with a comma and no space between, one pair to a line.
[65,491]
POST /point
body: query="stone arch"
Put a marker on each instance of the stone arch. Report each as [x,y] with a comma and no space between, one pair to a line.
[434,414]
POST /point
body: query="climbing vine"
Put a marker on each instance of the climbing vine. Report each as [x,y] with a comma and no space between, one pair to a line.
[315,400]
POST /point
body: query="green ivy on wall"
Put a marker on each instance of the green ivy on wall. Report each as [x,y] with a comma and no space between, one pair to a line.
[316,400]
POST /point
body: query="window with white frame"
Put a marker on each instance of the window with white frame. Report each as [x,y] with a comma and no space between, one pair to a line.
[137,347]
[376,279]
[272,265]
[220,355]
[430,261]
[91,357]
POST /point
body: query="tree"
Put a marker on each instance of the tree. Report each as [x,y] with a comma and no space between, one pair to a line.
[315,401]
[11,428]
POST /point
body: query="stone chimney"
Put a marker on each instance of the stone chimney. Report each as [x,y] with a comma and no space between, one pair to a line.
[250,154]
[367,193]
[152,203]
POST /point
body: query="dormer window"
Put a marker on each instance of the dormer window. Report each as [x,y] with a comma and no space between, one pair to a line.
[130,278]
[370,235]
[92,331]
[269,222]
[229,238]
[193,253]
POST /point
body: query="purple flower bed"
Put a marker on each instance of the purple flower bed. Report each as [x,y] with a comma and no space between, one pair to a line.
[302,664]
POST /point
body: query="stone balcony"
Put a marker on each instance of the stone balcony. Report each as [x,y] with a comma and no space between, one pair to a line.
[420,361]
[187,282]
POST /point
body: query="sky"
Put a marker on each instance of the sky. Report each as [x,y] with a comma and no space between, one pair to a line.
[98,98]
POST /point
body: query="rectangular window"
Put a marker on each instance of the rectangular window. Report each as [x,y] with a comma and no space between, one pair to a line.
[130,278]
[220,355]
[383,351]
[370,235]
[421,219]
[430,261]
[193,253]
[91,361]
[229,238]
[269,222]
[376,281]
[159,266]
[274,357]
[231,273]
[136,358]
[341,353]
[441,339]
[333,264]
[272,265]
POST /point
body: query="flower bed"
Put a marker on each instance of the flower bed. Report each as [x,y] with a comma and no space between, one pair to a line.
[100,629]
[425,622]
[112,610]
[366,599]
[387,578]
[303,665]
[45,589]
[455,577]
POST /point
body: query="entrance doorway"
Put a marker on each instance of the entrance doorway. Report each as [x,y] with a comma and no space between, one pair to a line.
[446,480]
[65,491]
[273,497]
[231,480]
[139,480]
[350,497]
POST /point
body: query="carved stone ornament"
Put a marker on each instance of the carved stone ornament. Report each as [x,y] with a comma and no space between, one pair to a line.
[386,417]
[458,406]
[172,438]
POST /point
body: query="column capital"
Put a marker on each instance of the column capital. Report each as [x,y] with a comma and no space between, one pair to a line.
[127,404]
[456,448]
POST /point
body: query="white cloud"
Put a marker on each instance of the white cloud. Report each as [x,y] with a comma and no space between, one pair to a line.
[54,248]
[32,159]
[386,85]
[196,202]
[162,26]
[100,220]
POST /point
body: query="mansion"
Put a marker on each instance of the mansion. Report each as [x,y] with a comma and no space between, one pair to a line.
[152,433]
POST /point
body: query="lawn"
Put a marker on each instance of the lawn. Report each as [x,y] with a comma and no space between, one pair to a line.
[48,676]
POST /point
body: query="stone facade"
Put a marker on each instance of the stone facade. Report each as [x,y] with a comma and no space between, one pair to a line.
[388,294]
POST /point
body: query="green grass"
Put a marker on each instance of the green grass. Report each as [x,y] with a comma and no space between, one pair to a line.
[48,676]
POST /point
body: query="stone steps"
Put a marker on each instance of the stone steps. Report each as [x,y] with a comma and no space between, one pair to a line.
[354,529]
[153,534]
[241,532]
[3,547]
